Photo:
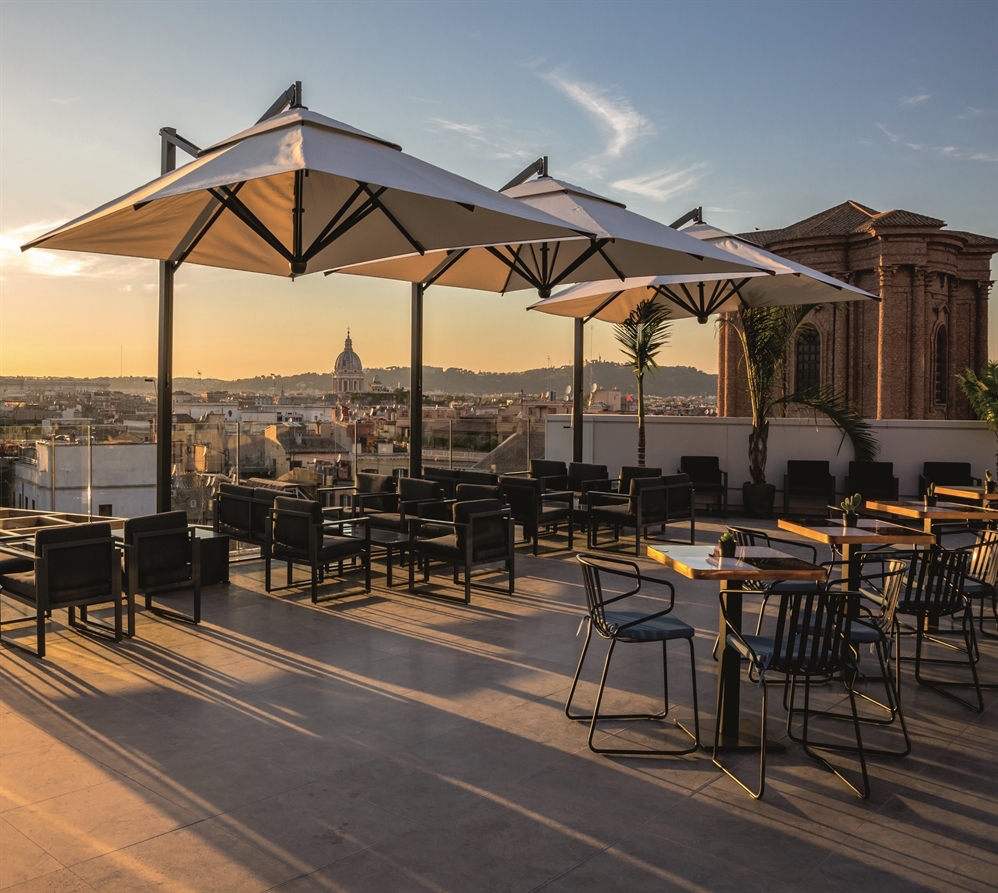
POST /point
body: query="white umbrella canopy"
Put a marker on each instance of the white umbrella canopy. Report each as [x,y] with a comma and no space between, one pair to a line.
[701,296]
[624,244]
[299,193]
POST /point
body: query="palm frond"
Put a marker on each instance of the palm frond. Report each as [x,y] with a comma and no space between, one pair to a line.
[982,392]
[845,417]
[643,334]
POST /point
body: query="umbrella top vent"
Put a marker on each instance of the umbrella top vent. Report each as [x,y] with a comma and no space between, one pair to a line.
[294,117]
[551,186]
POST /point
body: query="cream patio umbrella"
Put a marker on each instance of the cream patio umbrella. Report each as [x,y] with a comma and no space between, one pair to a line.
[295,193]
[701,296]
[697,296]
[624,244]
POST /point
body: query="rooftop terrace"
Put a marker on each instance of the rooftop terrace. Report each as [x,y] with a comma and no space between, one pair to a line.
[393,742]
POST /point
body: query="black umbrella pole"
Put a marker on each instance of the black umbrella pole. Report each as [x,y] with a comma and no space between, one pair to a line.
[164,380]
[577,391]
[416,385]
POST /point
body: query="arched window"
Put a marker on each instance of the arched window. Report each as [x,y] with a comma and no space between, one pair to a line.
[940,384]
[808,359]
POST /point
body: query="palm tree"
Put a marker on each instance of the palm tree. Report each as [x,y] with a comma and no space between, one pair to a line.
[982,392]
[641,337]
[766,334]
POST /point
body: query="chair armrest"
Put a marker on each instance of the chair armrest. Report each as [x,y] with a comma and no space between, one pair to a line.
[599,497]
[360,499]
[565,496]
[976,482]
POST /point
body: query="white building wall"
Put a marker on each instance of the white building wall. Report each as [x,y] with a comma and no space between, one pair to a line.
[123,476]
[612,440]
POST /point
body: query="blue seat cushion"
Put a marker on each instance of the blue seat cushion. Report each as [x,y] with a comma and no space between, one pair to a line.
[865,632]
[658,629]
[977,589]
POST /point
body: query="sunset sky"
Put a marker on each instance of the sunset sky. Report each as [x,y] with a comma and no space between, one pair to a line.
[762,113]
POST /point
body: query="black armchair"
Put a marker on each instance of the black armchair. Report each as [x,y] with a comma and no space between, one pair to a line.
[955,474]
[374,493]
[651,502]
[481,533]
[707,478]
[554,474]
[629,472]
[412,493]
[872,480]
[583,477]
[535,508]
[72,567]
[162,554]
[297,534]
[809,481]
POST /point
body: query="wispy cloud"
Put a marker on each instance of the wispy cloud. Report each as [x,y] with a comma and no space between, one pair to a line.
[969,113]
[615,115]
[497,144]
[663,185]
[39,262]
[893,137]
[954,152]
[917,99]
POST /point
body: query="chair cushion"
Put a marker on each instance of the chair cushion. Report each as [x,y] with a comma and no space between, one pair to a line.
[955,473]
[865,632]
[490,536]
[21,585]
[234,506]
[808,475]
[659,629]
[581,475]
[546,468]
[464,492]
[704,471]
[416,489]
[629,472]
[161,559]
[386,520]
[292,531]
[973,588]
[78,571]
[16,566]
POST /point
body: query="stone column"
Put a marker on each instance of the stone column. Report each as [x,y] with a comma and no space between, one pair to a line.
[919,398]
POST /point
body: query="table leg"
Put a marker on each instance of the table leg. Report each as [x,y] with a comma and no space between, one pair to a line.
[729,669]
[851,567]
[388,572]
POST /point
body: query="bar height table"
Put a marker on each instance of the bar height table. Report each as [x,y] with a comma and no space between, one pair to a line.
[932,515]
[750,563]
[977,495]
[851,540]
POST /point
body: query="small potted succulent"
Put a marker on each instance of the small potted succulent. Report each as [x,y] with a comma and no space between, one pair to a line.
[726,544]
[930,495]
[850,506]
[990,484]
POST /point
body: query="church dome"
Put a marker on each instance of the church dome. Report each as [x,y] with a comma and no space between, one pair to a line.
[348,362]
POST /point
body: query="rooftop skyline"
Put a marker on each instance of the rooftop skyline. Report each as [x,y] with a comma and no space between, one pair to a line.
[762,113]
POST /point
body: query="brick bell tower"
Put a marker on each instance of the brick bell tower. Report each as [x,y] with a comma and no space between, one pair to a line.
[897,359]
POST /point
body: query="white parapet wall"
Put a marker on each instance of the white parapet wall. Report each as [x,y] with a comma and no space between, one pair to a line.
[612,440]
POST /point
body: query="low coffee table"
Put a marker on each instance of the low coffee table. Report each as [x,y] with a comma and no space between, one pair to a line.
[389,540]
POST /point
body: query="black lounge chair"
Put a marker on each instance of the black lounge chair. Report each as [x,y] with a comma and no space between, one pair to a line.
[374,493]
[872,480]
[707,479]
[298,534]
[629,626]
[953,474]
[412,493]
[650,502]
[241,512]
[73,567]
[481,533]
[535,508]
[553,474]
[808,481]
[162,554]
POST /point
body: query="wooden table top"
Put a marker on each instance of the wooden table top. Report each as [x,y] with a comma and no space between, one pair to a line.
[967,492]
[943,511]
[749,563]
[869,532]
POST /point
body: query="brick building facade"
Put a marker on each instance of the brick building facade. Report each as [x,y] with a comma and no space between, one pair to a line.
[897,359]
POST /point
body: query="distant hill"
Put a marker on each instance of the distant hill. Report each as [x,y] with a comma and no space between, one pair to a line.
[669,381]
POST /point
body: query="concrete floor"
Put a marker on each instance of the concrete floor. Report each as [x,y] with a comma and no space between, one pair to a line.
[392,742]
